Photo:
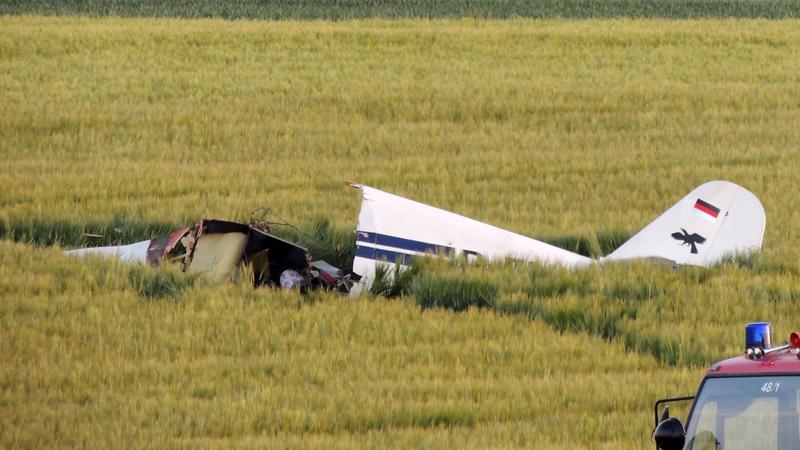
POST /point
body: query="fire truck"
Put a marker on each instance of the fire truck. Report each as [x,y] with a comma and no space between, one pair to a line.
[748,402]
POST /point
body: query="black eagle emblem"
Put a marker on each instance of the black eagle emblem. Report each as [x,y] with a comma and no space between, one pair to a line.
[689,239]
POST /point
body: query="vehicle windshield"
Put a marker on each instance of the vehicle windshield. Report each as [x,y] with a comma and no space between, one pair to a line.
[747,413]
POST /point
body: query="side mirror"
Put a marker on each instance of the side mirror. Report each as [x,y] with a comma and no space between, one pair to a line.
[669,434]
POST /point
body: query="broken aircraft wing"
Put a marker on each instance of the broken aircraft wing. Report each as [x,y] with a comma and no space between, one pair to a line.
[136,252]
[151,251]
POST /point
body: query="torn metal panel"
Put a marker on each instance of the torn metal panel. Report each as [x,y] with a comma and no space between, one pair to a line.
[328,269]
[156,250]
[175,238]
[333,278]
[161,246]
[282,255]
[220,248]
[218,254]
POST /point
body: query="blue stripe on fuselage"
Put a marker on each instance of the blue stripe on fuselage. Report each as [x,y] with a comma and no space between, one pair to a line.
[402,244]
[384,255]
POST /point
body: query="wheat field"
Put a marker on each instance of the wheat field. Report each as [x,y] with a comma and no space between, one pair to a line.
[575,132]
[397,9]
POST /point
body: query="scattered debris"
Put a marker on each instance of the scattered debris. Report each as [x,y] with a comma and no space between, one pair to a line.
[219,248]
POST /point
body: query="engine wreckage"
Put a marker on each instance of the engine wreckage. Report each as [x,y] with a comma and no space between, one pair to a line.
[219,248]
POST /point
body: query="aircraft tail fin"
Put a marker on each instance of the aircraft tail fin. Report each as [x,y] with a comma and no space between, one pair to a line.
[716,220]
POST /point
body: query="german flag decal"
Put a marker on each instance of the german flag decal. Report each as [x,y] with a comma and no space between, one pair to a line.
[707,208]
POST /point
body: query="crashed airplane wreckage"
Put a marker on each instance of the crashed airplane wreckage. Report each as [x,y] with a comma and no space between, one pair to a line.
[718,219]
[218,248]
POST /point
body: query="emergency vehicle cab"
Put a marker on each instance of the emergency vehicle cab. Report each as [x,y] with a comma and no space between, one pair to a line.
[748,402]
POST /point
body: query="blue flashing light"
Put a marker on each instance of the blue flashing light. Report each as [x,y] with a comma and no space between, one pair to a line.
[757,334]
